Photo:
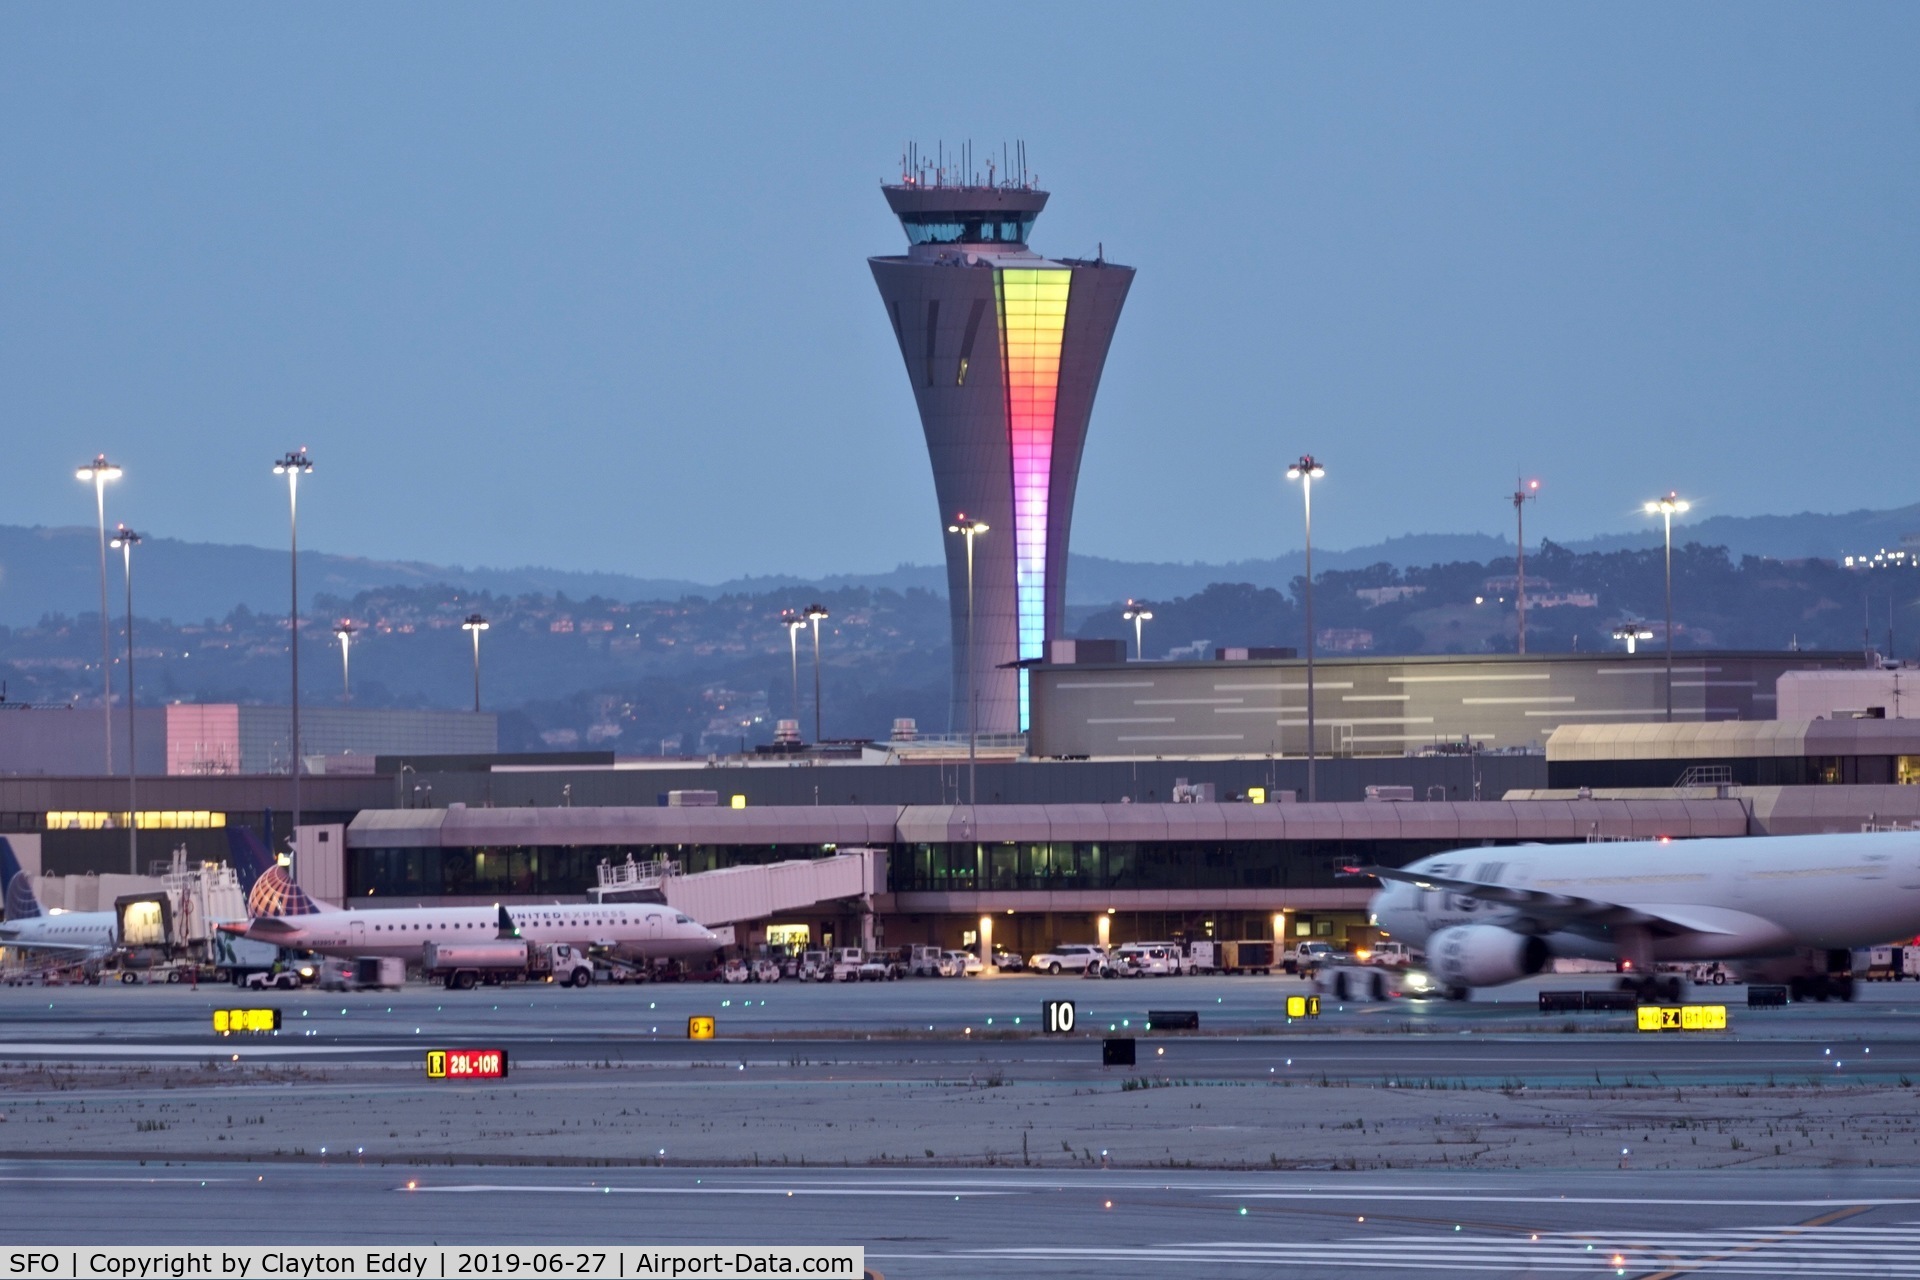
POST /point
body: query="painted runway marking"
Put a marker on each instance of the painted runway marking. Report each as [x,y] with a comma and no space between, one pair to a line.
[1801,1249]
[783,1192]
[1480,1196]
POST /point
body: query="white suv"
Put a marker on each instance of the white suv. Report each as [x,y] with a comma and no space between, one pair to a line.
[1155,959]
[1150,959]
[1073,957]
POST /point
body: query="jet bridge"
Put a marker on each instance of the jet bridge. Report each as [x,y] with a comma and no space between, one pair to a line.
[735,894]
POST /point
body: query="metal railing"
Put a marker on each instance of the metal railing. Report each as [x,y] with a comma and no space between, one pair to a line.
[633,875]
[1706,775]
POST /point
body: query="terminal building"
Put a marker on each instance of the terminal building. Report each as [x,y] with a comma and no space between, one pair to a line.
[1079,857]
[1388,706]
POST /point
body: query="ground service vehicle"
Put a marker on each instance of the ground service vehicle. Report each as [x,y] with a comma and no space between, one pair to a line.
[1892,963]
[765,971]
[846,964]
[1247,957]
[965,963]
[1312,955]
[814,967]
[1392,953]
[464,965]
[1151,959]
[362,973]
[1008,961]
[1202,956]
[269,980]
[926,962]
[879,967]
[1071,957]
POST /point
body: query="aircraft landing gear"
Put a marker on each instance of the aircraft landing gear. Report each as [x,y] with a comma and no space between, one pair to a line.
[1652,990]
[1821,987]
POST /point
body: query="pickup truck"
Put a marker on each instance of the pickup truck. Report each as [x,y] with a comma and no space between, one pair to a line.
[1315,955]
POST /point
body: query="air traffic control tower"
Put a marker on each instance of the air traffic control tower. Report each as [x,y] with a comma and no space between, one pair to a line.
[1004,350]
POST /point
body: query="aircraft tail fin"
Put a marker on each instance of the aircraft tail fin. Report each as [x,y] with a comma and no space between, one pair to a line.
[270,890]
[16,887]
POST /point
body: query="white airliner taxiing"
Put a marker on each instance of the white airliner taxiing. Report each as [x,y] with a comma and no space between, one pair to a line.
[638,929]
[1789,908]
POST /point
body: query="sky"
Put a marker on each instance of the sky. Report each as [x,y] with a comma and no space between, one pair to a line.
[585,286]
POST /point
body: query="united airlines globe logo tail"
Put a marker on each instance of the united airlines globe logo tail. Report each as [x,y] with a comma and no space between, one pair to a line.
[276,894]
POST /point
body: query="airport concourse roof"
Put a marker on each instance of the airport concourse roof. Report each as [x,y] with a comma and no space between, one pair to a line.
[466,828]
[1556,819]
[1735,738]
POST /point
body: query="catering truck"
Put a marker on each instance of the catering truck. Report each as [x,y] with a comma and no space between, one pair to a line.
[465,965]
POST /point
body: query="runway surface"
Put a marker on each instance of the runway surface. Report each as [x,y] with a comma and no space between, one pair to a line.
[973,1223]
[932,1027]
[973,1145]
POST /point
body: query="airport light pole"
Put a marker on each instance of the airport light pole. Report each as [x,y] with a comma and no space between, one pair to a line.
[476,624]
[1306,471]
[970,529]
[344,634]
[792,620]
[99,471]
[814,615]
[1665,508]
[1524,492]
[124,541]
[1137,614]
[294,465]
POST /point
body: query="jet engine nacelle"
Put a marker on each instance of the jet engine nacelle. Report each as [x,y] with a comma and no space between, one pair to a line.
[1484,955]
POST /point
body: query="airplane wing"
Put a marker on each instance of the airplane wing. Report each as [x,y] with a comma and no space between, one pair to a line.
[267,925]
[30,944]
[1552,911]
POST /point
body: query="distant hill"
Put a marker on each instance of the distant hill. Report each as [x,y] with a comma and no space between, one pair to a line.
[55,570]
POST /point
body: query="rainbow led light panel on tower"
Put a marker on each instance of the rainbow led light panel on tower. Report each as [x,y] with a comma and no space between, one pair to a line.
[1033,322]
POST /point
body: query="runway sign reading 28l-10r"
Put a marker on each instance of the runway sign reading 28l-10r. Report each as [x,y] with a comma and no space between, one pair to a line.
[466,1064]
[1059,1015]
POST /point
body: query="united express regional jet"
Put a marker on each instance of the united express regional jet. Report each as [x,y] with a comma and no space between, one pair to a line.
[639,929]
